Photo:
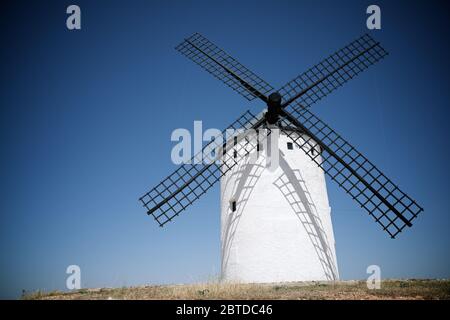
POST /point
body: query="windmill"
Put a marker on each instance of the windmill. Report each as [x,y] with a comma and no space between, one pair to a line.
[276,224]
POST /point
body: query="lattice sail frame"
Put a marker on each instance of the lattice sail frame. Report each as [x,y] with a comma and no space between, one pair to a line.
[197,48]
[332,72]
[404,204]
[306,89]
[190,181]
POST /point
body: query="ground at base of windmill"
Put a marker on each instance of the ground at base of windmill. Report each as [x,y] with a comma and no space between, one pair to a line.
[341,290]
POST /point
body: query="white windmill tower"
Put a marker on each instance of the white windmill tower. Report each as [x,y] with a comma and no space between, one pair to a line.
[276,220]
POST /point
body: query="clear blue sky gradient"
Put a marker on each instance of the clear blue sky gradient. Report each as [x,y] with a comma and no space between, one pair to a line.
[86,118]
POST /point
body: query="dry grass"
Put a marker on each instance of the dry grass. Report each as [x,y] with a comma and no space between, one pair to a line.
[390,289]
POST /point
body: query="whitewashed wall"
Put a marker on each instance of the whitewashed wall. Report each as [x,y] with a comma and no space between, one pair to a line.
[281,229]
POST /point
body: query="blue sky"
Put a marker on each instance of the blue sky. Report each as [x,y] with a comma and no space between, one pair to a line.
[86,118]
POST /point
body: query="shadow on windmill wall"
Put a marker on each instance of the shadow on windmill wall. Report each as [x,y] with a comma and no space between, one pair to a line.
[292,185]
[247,175]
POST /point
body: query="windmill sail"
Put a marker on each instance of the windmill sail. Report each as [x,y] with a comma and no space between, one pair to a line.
[191,180]
[224,67]
[333,72]
[385,202]
[353,172]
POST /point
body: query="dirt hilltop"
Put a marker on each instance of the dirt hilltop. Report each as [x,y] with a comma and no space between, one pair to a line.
[340,290]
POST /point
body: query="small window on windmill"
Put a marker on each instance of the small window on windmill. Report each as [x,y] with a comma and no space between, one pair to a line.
[234,154]
[259,147]
[290,146]
[233,206]
[235,140]
[313,151]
